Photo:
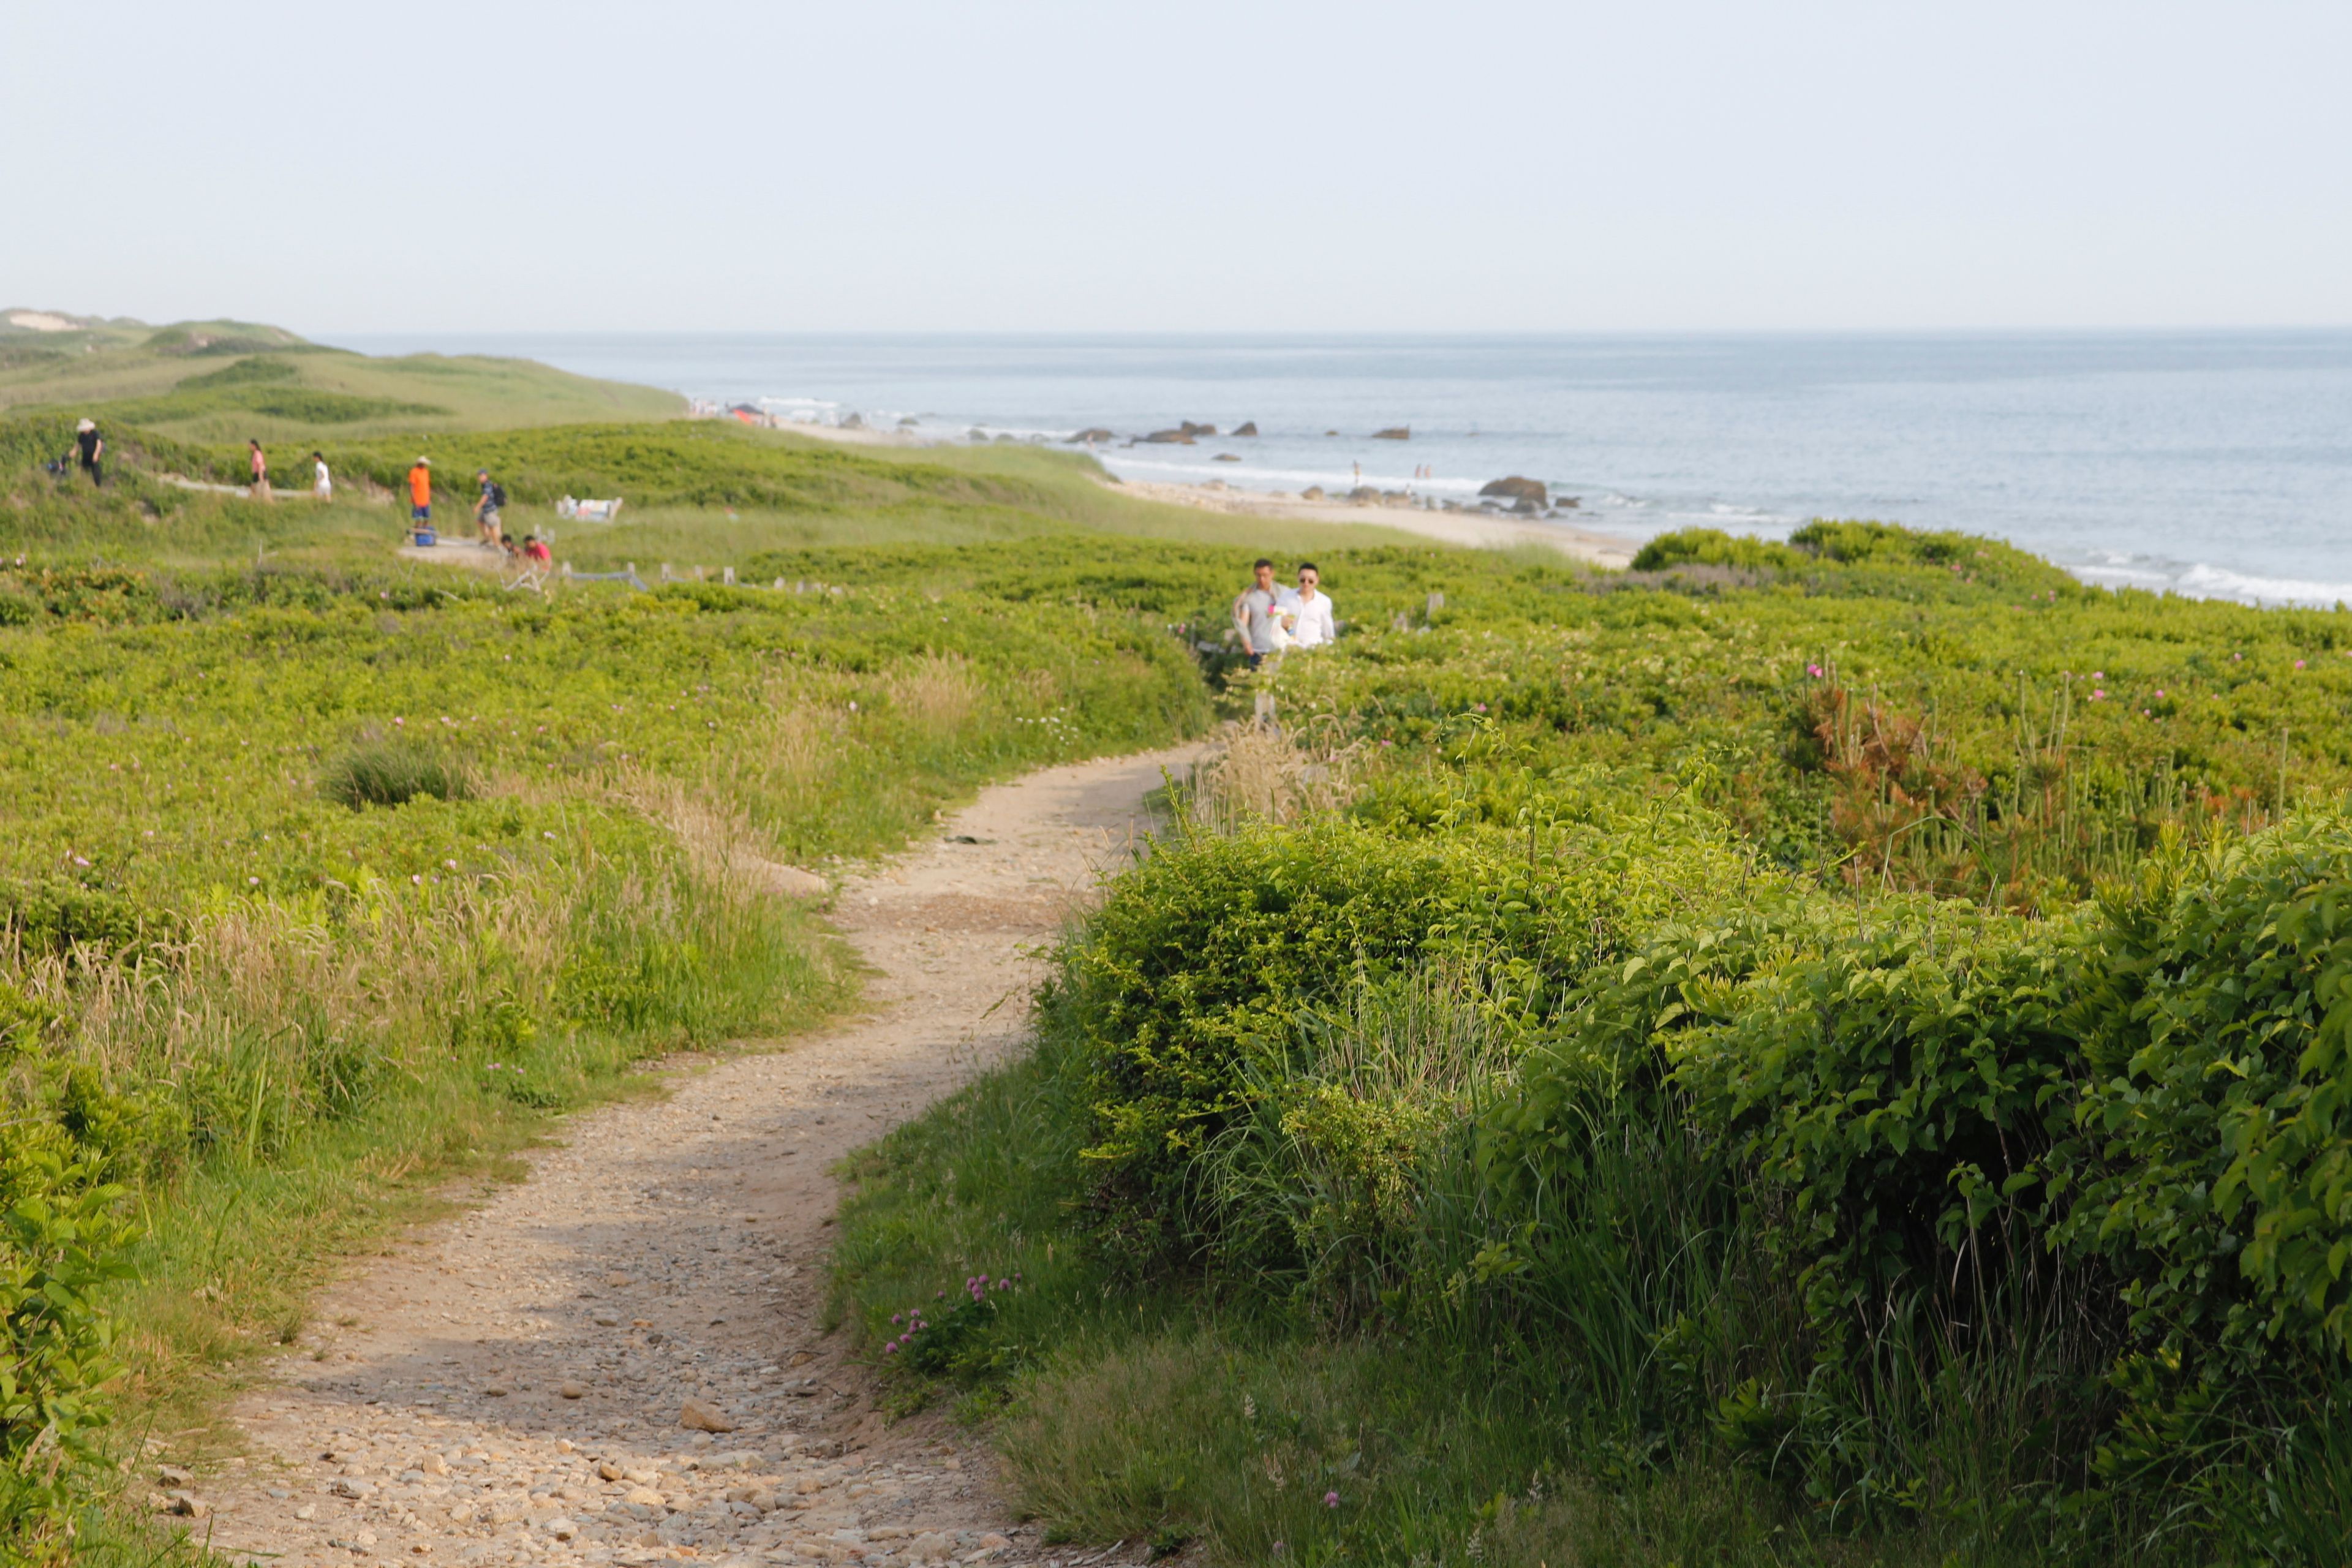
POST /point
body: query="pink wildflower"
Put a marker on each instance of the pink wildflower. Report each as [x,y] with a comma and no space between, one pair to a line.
[1330,1499]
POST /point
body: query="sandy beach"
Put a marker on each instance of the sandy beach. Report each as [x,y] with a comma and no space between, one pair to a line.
[1477,530]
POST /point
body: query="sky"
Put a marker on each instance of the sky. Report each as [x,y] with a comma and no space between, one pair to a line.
[1447,166]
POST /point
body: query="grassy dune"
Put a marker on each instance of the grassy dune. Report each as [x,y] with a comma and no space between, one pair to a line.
[218,382]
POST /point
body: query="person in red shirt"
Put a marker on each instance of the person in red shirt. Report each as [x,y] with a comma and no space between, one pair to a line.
[260,470]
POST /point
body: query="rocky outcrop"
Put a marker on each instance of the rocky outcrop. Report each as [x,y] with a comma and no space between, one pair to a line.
[1365,495]
[1394,433]
[1169,438]
[1246,428]
[1312,492]
[1519,492]
[1092,434]
[1224,458]
[1191,429]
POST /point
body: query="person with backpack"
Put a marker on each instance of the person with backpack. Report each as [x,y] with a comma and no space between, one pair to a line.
[487,509]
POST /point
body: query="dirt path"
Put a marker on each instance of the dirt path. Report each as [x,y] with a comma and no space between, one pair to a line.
[509,1388]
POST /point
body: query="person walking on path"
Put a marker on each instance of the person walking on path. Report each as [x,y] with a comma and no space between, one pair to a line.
[260,470]
[1254,613]
[91,447]
[1310,610]
[322,483]
[420,495]
[486,510]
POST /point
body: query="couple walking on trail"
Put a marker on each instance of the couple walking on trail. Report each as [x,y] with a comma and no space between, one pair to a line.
[1270,619]
[322,482]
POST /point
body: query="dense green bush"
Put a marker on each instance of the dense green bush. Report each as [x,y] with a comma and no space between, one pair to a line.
[1205,961]
[392,773]
[2212,1156]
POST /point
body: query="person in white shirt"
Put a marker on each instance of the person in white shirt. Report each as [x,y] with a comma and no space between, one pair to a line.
[323,486]
[1310,610]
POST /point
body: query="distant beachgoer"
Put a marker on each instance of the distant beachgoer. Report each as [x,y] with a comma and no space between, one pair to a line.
[91,448]
[1310,610]
[322,483]
[420,494]
[260,470]
[486,510]
[1254,613]
[1358,469]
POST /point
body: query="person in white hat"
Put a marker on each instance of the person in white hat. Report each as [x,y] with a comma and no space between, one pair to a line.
[91,447]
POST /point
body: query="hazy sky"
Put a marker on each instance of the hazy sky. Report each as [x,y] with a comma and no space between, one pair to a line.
[1446,165]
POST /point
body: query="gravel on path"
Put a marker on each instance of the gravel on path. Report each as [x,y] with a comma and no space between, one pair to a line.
[512,1389]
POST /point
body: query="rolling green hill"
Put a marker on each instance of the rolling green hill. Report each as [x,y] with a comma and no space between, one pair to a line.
[225,380]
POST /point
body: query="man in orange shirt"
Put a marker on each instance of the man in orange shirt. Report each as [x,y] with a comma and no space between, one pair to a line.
[420,495]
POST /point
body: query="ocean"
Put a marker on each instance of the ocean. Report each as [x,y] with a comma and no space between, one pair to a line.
[2216,464]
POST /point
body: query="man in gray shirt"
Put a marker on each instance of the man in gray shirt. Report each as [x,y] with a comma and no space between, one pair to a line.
[1255,611]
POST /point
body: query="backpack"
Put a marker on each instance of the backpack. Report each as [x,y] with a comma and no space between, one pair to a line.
[498,496]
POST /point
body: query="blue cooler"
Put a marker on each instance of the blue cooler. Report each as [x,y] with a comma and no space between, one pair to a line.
[423,537]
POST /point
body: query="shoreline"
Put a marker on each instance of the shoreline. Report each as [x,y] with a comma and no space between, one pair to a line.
[1474,530]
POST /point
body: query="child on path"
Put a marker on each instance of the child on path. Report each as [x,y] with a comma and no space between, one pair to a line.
[420,495]
[323,484]
[261,471]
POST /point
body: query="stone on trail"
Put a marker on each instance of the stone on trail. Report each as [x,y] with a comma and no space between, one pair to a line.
[571,1390]
[932,1547]
[701,1416]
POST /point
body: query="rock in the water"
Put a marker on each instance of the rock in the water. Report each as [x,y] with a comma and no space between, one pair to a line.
[1246,428]
[1170,437]
[1568,503]
[1191,429]
[852,422]
[1092,434]
[1394,433]
[1224,458]
[1515,488]
[701,1416]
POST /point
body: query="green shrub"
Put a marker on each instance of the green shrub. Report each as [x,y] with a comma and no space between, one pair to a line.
[1713,547]
[1206,960]
[59,1244]
[2210,1159]
[394,772]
